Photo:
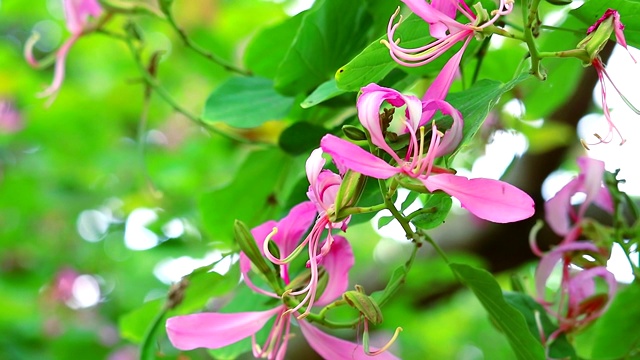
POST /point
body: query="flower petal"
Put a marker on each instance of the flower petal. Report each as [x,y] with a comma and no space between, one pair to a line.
[330,347]
[337,263]
[292,227]
[487,199]
[440,86]
[355,158]
[549,261]
[438,21]
[558,208]
[369,104]
[215,330]
[77,12]
[453,135]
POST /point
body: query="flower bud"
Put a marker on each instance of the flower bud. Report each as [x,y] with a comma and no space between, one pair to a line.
[365,304]
[349,193]
[598,36]
[249,247]
[354,133]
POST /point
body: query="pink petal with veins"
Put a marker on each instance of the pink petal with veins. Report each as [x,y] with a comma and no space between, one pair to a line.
[488,199]
[215,330]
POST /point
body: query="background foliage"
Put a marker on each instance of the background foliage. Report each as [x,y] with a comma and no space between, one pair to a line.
[134,195]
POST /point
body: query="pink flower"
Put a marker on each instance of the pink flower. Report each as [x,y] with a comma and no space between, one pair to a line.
[323,188]
[216,330]
[611,18]
[561,215]
[488,199]
[578,302]
[441,16]
[77,13]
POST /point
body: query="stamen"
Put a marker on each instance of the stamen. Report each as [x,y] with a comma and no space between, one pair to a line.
[365,340]
[286,260]
[28,49]
[543,338]
[420,164]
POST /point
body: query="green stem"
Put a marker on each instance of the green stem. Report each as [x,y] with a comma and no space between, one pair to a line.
[142,129]
[147,346]
[362,210]
[502,32]
[437,247]
[393,287]
[556,28]
[529,16]
[580,54]
[291,302]
[164,94]
[206,54]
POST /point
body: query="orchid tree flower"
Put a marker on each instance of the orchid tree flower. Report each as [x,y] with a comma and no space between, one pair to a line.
[488,199]
[323,188]
[578,302]
[562,216]
[77,14]
[441,16]
[597,36]
[217,330]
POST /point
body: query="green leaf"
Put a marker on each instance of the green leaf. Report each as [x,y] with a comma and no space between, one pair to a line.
[327,37]
[301,137]
[476,102]
[374,62]
[248,197]
[411,198]
[434,212]
[384,221]
[274,41]
[246,102]
[133,325]
[509,320]
[326,90]
[203,286]
[592,10]
[541,98]
[616,332]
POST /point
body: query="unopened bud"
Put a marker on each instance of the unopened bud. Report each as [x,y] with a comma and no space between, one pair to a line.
[365,304]
[354,133]
[598,37]
[349,193]
[249,247]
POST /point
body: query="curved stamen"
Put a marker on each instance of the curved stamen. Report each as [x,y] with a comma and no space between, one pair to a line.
[286,260]
[508,7]
[365,340]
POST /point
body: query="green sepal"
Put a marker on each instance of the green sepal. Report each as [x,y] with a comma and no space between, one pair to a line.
[351,189]
[354,133]
[248,246]
[597,39]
